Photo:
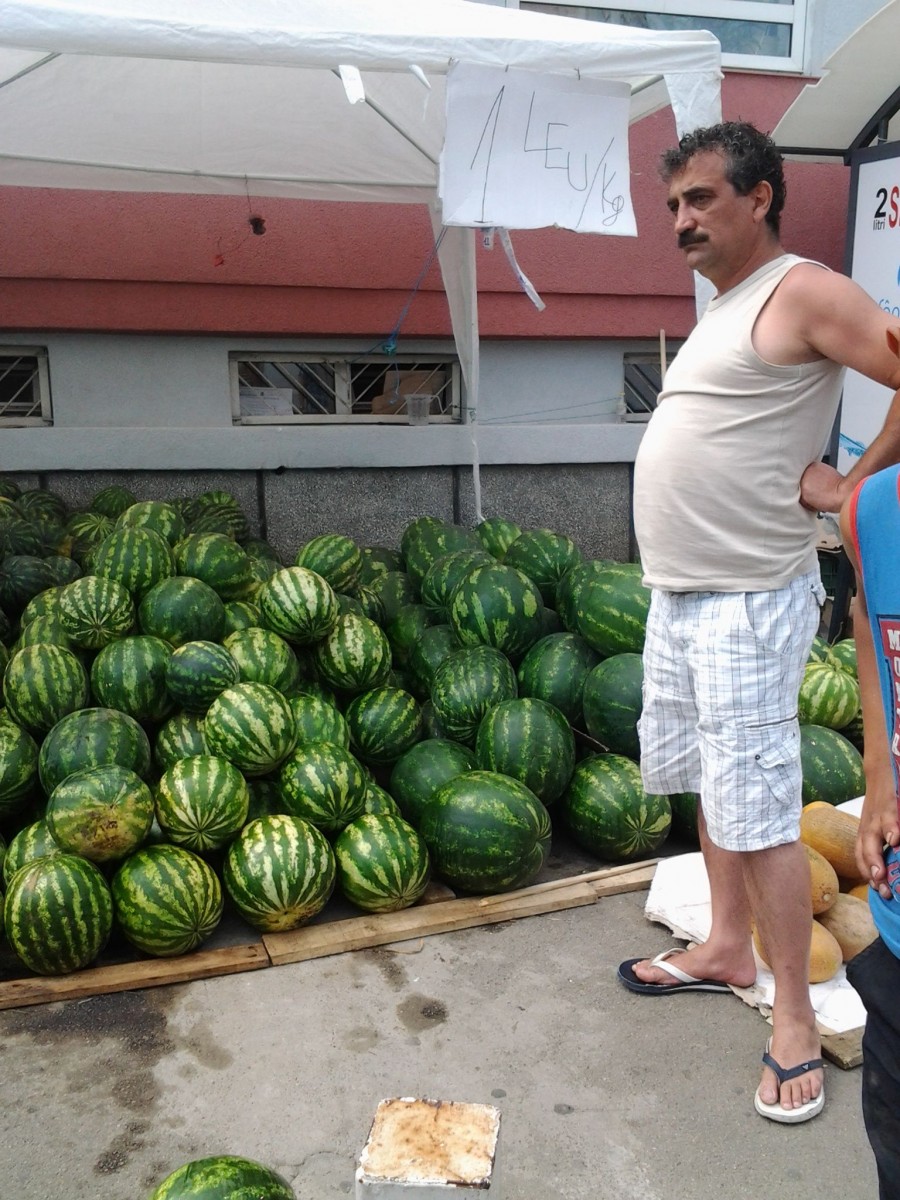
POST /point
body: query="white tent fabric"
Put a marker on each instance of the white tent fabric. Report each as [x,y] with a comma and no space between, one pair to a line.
[246,97]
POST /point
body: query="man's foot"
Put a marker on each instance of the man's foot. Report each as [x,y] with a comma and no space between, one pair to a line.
[735,969]
[797,1093]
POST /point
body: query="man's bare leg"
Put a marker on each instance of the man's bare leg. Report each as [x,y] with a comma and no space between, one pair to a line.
[727,954]
[777,882]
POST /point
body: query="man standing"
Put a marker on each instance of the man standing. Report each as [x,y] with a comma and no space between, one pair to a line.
[727,483]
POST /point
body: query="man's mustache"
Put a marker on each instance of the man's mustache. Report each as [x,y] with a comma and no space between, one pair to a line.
[690,239]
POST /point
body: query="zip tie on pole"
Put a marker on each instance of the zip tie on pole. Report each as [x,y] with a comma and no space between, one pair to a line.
[353,84]
[524,282]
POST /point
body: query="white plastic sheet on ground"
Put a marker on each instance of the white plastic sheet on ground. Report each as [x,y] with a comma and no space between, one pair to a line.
[679,899]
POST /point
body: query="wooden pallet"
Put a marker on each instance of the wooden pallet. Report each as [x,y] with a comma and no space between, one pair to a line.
[439,912]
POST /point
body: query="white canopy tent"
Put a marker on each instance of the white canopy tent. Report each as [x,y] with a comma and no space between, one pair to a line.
[252,97]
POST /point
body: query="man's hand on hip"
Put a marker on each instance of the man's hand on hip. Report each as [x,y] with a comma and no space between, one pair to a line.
[822,488]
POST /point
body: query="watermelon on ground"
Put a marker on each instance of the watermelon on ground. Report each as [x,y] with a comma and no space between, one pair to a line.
[18,766]
[92,737]
[496,535]
[465,685]
[383,722]
[95,611]
[425,767]
[528,740]
[844,654]
[180,736]
[167,900]
[181,609]
[41,684]
[102,813]
[136,558]
[545,557]
[219,561]
[263,656]
[608,812]
[333,556]
[130,674]
[612,703]
[319,721]
[252,725]
[382,863]
[354,656]
[323,784]
[612,608]
[32,842]
[496,605]
[197,672]
[299,604]
[201,802]
[223,1177]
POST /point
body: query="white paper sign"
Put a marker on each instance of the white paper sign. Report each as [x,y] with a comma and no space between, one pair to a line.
[524,150]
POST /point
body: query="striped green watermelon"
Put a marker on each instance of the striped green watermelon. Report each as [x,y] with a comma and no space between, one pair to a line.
[555,670]
[41,504]
[832,766]
[383,722]
[263,656]
[136,558]
[182,609]
[545,557]
[323,784]
[496,535]
[430,542]
[528,740]
[608,812]
[224,1177]
[89,528]
[58,914]
[219,561]
[569,589]
[198,672]
[102,813]
[180,736]
[496,605]
[829,696]
[33,842]
[279,872]
[22,577]
[354,656]
[393,590]
[379,801]
[92,737]
[370,604]
[435,643]
[64,569]
[130,675]
[349,604]
[240,614]
[299,604]
[417,528]
[820,650]
[95,611]
[486,833]
[612,701]
[18,535]
[382,863]
[252,725]
[319,721]
[41,684]
[18,766]
[157,516]
[44,604]
[425,767]
[201,802]
[844,654]
[216,516]
[612,610]
[333,556]
[444,574]
[405,628]
[167,900]
[47,628]
[378,560]
[112,501]
[466,685]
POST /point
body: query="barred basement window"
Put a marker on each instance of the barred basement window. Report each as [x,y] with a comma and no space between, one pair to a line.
[24,386]
[285,388]
[643,383]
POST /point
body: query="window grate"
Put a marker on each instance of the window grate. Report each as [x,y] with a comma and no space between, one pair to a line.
[24,387]
[643,383]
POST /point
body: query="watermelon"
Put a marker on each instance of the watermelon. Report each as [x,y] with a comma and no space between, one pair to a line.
[89,528]
[528,740]
[130,675]
[435,643]
[370,604]
[425,767]
[240,614]
[224,1177]
[44,604]
[219,517]
[219,561]
[41,504]
[569,588]
[19,536]
[405,628]
[198,672]
[180,736]
[92,737]
[378,560]
[820,650]
[486,833]
[43,683]
[430,542]
[18,766]
[58,914]
[252,725]
[33,842]
[279,872]
[392,591]
[383,722]
[354,656]
[444,574]
[323,784]
[418,528]
[545,557]
[832,766]
[466,685]
[102,813]
[22,577]
[155,515]
[608,812]
[612,610]
[263,656]
[181,609]
[829,696]
[319,721]
[112,501]
[95,611]
[167,900]
[136,558]
[843,653]
[612,702]
[64,569]
[496,605]
[496,535]
[555,670]
[382,863]
[333,556]
[299,604]
[47,628]
[378,801]
[201,802]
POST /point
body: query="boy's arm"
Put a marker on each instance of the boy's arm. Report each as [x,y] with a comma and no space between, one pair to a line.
[879,823]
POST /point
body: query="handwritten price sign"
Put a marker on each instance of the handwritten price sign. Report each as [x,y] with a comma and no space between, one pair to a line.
[524,150]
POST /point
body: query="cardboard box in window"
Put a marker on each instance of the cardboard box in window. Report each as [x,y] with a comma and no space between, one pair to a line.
[398,386]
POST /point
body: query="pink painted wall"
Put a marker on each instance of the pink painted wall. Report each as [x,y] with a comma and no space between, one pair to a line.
[188,264]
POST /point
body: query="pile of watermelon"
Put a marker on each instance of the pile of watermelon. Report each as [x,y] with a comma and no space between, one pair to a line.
[191,722]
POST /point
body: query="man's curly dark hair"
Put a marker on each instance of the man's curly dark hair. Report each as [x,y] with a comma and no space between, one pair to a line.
[750,157]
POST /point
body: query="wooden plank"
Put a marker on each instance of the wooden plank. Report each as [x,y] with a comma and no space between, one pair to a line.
[636,880]
[358,933]
[125,977]
[844,1049]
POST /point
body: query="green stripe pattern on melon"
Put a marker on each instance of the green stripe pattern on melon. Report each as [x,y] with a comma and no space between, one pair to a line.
[497,534]
[130,675]
[181,609]
[157,516]
[263,656]
[92,737]
[555,670]
[198,672]
[279,872]
[531,741]
[611,610]
[112,501]
[225,1177]
[102,813]
[136,558]
[18,766]
[181,736]
[354,656]
[545,557]
[41,684]
[382,863]
[298,604]
[95,611]
[167,900]
[434,645]
[219,561]
[323,784]
[58,914]
[201,802]
[335,557]
[466,685]
[829,696]
[495,605]
[832,766]
[486,833]
[444,574]
[252,725]
[319,721]
[33,842]
[424,768]
[613,702]
[608,812]
[383,724]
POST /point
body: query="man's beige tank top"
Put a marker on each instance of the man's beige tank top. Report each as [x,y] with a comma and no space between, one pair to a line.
[717,475]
